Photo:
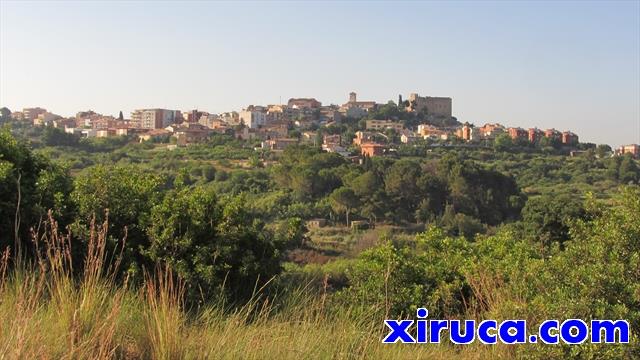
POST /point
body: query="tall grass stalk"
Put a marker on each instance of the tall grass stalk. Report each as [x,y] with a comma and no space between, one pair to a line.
[50,310]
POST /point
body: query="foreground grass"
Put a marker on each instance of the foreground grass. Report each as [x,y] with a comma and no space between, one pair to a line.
[58,319]
[48,313]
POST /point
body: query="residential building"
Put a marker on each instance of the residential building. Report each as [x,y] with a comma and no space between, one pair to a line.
[569,138]
[304,103]
[63,123]
[194,116]
[105,133]
[17,115]
[45,118]
[633,149]
[363,137]
[105,122]
[468,132]
[332,139]
[253,117]
[73,131]
[553,134]
[381,125]
[232,118]
[534,134]
[330,114]
[30,114]
[437,106]
[372,149]
[490,131]
[518,133]
[335,148]
[154,118]
[155,134]
[408,138]
[190,133]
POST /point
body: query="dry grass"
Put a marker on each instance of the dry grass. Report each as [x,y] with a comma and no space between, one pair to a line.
[47,312]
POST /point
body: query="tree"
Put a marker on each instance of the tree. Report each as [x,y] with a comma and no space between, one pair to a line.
[120,116]
[603,150]
[395,281]
[215,247]
[401,184]
[57,137]
[547,219]
[343,200]
[5,115]
[128,193]
[502,142]
[628,171]
[30,185]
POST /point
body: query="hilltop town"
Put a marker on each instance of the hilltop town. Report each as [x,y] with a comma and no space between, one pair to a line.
[354,129]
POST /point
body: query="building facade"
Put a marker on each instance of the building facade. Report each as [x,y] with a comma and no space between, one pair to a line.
[253,118]
[154,118]
[438,106]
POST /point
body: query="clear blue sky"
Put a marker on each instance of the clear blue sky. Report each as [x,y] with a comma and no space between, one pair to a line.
[570,65]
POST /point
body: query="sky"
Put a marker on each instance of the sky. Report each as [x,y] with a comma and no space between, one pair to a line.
[568,65]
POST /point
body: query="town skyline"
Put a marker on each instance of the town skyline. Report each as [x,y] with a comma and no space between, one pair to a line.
[524,64]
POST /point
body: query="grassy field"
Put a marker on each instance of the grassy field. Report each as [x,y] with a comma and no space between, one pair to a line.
[48,313]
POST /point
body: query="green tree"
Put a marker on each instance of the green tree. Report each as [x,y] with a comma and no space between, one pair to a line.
[30,185]
[57,137]
[5,115]
[503,142]
[128,193]
[547,219]
[343,201]
[217,248]
[628,171]
[603,150]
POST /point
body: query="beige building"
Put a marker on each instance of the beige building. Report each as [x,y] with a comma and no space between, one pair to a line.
[45,118]
[253,117]
[381,125]
[154,118]
[431,132]
[31,114]
[438,106]
[633,149]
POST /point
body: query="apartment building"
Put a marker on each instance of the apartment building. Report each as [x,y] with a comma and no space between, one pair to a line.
[30,114]
[535,134]
[154,118]
[372,149]
[553,134]
[490,131]
[468,132]
[633,149]
[518,133]
[45,118]
[253,117]
[381,125]
[569,138]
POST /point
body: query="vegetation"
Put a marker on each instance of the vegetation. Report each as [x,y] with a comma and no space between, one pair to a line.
[124,249]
